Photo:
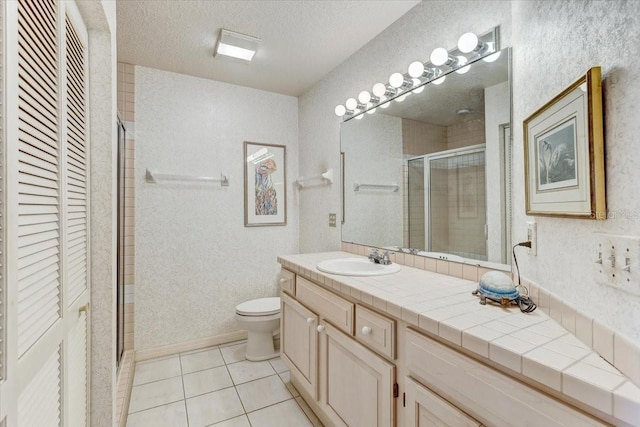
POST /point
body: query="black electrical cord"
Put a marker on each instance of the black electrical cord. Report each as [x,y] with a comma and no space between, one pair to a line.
[524,302]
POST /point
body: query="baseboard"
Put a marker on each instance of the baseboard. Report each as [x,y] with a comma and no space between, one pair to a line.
[167,350]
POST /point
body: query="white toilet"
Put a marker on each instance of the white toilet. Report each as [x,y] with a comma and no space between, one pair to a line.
[261,318]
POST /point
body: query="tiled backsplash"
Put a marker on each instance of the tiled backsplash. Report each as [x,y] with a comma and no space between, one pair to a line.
[614,347]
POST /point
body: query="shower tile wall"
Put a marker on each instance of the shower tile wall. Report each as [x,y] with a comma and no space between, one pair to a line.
[126,111]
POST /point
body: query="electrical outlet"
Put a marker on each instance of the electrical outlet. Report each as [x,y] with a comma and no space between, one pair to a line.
[532,236]
[332,220]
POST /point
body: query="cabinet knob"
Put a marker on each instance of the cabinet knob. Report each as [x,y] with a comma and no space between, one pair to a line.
[310,320]
[320,328]
[366,330]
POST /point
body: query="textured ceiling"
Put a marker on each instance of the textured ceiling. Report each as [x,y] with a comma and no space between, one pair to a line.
[302,41]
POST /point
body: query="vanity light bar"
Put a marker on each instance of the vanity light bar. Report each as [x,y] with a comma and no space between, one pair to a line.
[470,48]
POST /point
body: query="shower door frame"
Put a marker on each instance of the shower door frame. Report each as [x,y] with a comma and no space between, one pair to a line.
[427,182]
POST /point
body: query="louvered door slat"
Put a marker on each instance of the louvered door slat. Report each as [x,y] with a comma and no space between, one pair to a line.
[39,402]
[31,142]
[39,292]
[76,164]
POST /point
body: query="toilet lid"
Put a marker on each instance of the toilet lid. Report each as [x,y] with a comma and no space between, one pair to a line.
[259,307]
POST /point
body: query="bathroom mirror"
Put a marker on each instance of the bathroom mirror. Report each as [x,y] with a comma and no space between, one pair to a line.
[432,174]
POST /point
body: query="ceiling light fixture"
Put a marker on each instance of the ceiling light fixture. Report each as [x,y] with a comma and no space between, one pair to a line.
[236,45]
[470,48]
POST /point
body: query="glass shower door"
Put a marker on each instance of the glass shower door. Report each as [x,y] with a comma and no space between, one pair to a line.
[456,208]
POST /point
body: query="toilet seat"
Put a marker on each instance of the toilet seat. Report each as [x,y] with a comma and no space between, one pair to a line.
[259,307]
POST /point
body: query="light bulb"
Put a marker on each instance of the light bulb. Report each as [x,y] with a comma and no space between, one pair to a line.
[416,69]
[340,110]
[462,61]
[379,89]
[492,58]
[467,42]
[396,80]
[439,81]
[383,102]
[371,111]
[364,97]
[439,56]
[351,104]
[401,98]
[416,83]
[359,117]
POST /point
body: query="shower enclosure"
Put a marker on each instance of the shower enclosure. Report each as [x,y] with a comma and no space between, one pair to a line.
[447,202]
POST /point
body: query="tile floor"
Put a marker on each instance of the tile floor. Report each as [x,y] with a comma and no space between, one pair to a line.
[216,386]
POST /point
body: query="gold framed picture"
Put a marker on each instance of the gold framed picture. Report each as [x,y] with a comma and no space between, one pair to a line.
[564,153]
[265,189]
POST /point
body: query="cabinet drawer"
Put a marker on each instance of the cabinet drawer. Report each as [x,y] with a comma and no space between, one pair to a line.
[503,401]
[288,281]
[328,305]
[376,331]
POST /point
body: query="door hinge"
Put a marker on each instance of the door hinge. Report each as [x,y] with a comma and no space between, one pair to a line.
[404,400]
[396,392]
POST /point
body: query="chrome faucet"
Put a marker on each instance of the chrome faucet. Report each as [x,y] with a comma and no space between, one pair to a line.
[378,258]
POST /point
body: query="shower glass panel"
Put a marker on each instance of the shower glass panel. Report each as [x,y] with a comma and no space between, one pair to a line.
[456,208]
[416,200]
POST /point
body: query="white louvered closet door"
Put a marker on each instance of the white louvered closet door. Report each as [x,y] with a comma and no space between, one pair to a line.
[47,215]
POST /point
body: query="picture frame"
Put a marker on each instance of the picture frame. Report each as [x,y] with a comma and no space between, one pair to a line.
[564,153]
[265,186]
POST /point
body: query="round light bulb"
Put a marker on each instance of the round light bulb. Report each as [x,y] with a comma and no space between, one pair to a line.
[351,104]
[340,110]
[396,80]
[379,89]
[492,58]
[401,98]
[371,111]
[416,69]
[467,42]
[383,102]
[439,81]
[439,56]
[462,61]
[416,83]
[359,117]
[364,97]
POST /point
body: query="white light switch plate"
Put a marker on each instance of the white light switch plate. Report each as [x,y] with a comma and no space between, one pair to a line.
[616,261]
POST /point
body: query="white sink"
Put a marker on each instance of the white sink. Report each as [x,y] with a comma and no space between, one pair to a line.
[356,267]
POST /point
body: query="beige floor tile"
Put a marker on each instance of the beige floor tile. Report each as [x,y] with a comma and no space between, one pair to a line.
[214,407]
[171,415]
[278,365]
[286,379]
[246,371]
[285,414]
[261,393]
[154,394]
[206,381]
[155,370]
[201,360]
[241,421]
[234,353]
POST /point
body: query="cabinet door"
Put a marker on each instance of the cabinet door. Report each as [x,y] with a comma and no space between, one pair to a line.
[425,408]
[299,343]
[358,388]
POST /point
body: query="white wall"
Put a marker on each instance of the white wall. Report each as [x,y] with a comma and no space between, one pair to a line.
[373,155]
[195,259]
[428,25]
[554,43]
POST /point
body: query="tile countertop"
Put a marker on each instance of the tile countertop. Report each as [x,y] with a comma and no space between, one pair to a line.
[533,344]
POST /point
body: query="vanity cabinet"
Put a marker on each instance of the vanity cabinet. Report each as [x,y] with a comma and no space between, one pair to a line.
[357,385]
[425,408]
[350,384]
[299,343]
